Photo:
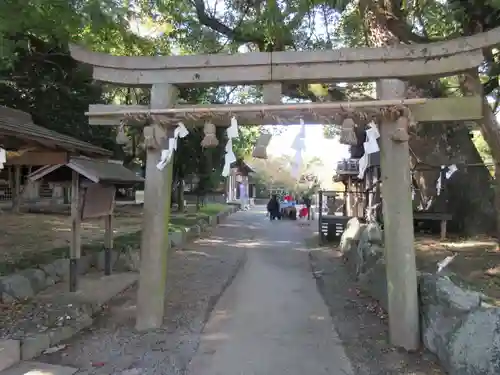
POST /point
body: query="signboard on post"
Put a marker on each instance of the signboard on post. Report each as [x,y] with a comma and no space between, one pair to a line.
[97,201]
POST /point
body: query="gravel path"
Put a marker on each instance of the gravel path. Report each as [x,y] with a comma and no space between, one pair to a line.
[361,323]
[197,277]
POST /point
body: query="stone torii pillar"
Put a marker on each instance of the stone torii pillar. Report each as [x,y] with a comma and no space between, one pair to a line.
[156,216]
[400,263]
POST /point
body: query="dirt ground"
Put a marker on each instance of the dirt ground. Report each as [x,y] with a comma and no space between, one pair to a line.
[29,233]
[197,275]
[362,324]
[38,232]
[477,262]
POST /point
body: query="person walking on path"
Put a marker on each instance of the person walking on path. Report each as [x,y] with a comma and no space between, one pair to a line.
[273,208]
[307,203]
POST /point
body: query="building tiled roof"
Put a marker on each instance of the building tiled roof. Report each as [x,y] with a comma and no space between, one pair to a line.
[18,124]
[95,170]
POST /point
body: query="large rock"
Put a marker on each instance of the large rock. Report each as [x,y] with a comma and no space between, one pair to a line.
[15,287]
[475,345]
[464,335]
[375,235]
[61,267]
[124,260]
[36,277]
[203,224]
[51,276]
[349,243]
[368,252]
[351,234]
[85,263]
[34,345]
[10,353]
[177,239]
[194,231]
[361,246]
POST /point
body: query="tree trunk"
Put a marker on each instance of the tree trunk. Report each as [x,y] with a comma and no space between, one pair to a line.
[433,145]
[180,195]
[471,85]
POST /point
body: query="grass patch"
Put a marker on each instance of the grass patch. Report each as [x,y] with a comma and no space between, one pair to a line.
[177,224]
[183,220]
[212,209]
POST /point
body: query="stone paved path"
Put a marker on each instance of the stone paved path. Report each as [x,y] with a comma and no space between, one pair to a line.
[272,319]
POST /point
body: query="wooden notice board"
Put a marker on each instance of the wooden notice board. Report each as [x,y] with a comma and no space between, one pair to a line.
[97,201]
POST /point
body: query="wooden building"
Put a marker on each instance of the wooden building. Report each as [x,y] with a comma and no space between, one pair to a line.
[93,184]
[240,174]
[27,147]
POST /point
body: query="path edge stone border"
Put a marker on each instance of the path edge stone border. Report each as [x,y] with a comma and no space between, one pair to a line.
[128,260]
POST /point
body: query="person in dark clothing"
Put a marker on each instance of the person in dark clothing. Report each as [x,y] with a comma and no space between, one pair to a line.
[273,207]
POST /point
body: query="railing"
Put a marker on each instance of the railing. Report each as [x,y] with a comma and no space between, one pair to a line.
[5,193]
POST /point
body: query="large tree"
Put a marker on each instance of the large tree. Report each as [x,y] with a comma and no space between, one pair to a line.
[275,25]
[199,26]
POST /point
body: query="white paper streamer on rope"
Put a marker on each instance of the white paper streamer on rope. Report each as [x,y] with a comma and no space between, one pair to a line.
[299,146]
[232,132]
[363,163]
[451,170]
[166,155]
[370,146]
[3,157]
[180,131]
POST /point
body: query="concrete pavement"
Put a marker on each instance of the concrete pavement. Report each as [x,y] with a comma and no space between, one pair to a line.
[271,320]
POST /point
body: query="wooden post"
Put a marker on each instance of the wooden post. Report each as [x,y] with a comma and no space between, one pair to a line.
[320,215]
[108,243]
[349,197]
[108,237]
[443,230]
[157,195]
[398,229]
[368,191]
[75,249]
[344,206]
[16,196]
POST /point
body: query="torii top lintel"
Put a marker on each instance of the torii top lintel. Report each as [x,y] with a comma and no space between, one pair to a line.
[345,64]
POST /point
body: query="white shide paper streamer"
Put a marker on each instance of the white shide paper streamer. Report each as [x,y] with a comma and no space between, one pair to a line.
[299,145]
[370,146]
[3,157]
[166,155]
[229,157]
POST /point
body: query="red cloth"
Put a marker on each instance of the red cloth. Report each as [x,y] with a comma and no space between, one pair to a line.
[303,212]
[287,198]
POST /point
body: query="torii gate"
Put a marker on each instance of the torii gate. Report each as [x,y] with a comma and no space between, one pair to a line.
[388,66]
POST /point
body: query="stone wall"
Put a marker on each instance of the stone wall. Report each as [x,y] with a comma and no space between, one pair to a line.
[458,325]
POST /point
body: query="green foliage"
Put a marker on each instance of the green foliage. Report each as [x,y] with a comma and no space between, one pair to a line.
[37,75]
[243,145]
[275,173]
[56,90]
